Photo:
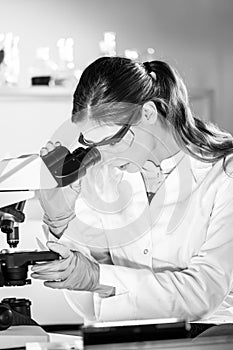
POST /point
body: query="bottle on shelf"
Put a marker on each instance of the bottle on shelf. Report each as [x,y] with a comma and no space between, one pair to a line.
[67,74]
[107,46]
[9,59]
[43,68]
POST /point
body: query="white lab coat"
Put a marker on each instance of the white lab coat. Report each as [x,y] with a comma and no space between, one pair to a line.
[173,258]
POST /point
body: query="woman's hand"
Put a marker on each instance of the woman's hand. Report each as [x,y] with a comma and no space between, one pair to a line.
[74,271]
[49,147]
[58,203]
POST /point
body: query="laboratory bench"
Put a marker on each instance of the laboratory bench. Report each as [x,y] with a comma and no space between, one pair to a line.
[68,342]
[77,337]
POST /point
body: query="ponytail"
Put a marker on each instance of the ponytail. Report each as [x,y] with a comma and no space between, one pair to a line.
[203,140]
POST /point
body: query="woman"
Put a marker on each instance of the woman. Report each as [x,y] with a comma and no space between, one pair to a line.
[159,205]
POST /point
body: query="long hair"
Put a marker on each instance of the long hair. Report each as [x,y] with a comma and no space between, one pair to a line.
[124,85]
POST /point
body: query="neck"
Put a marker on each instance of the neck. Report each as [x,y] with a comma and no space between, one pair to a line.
[165,145]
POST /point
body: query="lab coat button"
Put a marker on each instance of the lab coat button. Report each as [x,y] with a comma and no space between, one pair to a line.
[146,251]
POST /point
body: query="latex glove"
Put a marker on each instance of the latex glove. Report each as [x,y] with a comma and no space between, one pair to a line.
[58,203]
[74,271]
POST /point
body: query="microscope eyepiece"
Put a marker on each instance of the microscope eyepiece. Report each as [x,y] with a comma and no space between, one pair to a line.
[67,167]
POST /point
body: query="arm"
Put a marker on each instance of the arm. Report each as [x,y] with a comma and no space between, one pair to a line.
[58,206]
[193,293]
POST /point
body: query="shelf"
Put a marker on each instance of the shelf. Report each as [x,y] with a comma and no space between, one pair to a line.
[202,100]
[35,92]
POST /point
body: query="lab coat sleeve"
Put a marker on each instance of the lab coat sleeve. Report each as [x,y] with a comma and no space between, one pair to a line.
[192,293]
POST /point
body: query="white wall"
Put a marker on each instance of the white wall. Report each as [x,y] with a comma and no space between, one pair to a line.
[194,35]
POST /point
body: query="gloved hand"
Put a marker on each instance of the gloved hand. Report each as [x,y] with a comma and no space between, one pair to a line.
[58,203]
[74,271]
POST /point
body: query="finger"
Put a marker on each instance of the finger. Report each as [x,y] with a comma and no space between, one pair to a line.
[41,277]
[54,285]
[43,151]
[60,249]
[57,144]
[54,266]
[50,146]
[41,266]
[49,276]
[44,267]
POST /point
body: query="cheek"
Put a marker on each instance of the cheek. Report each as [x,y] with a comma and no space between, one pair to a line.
[137,154]
[136,157]
[140,152]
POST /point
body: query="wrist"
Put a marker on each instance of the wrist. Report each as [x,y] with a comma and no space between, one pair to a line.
[57,232]
[104,291]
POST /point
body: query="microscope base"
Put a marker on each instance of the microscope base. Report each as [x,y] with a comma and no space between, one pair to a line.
[18,336]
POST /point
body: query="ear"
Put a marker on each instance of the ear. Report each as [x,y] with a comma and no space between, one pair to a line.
[149,113]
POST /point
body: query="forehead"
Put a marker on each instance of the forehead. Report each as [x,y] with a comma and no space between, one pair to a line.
[95,132]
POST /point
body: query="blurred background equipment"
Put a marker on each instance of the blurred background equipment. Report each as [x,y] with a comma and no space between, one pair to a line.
[43,67]
[108,44]
[9,59]
[62,72]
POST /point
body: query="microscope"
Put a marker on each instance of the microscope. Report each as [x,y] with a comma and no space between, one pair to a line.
[19,178]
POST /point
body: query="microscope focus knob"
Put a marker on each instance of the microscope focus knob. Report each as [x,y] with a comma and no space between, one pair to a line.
[6,316]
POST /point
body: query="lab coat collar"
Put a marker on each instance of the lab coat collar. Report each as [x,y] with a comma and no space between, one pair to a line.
[198,168]
[150,168]
[168,164]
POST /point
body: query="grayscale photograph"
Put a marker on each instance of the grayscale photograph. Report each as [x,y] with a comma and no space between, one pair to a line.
[116,174]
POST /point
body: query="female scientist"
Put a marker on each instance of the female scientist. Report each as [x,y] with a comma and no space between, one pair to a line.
[148,230]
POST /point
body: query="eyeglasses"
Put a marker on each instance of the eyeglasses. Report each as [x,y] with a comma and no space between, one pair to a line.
[119,142]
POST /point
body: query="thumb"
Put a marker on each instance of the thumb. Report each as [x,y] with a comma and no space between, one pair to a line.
[62,250]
